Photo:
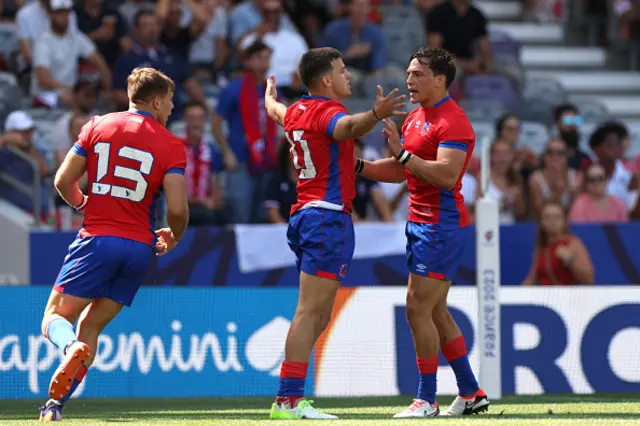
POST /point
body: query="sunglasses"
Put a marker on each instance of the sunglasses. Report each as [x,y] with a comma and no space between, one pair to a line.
[572,120]
[556,152]
[596,179]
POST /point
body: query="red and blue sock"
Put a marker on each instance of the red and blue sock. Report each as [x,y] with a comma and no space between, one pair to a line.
[82,371]
[428,369]
[455,351]
[292,380]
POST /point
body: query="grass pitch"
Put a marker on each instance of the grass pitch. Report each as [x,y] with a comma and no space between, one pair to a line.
[512,410]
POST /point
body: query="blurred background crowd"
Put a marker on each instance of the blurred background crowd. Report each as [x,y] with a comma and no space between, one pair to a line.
[550,84]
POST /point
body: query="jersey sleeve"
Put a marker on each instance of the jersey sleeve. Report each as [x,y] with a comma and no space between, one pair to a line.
[455,136]
[82,145]
[176,160]
[327,118]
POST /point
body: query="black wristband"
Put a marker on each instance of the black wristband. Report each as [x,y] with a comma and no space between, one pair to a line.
[403,156]
[82,205]
[359,165]
[373,110]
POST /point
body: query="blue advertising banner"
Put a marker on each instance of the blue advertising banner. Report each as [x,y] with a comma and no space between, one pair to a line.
[172,342]
[208,257]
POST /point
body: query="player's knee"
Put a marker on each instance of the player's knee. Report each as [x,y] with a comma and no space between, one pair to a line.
[317,315]
[442,317]
[417,309]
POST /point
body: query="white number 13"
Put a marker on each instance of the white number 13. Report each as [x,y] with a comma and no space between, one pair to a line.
[145,159]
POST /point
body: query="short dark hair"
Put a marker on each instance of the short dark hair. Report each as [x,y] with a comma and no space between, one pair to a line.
[439,61]
[254,48]
[316,63]
[144,84]
[503,119]
[560,110]
[140,14]
[602,132]
[195,104]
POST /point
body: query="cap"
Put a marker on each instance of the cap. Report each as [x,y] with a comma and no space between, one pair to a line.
[19,121]
[61,4]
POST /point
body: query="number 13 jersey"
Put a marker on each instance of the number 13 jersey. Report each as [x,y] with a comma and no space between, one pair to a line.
[326,167]
[128,154]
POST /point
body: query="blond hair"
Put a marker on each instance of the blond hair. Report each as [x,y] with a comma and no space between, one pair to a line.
[144,84]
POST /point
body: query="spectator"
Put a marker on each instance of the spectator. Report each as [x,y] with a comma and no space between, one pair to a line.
[560,258]
[246,16]
[56,56]
[250,152]
[129,9]
[65,215]
[458,26]
[204,164]
[149,52]
[368,193]
[19,128]
[555,181]
[105,27]
[174,35]
[287,48]
[595,205]
[209,52]
[85,98]
[281,190]
[568,122]
[607,145]
[361,42]
[310,17]
[32,20]
[505,183]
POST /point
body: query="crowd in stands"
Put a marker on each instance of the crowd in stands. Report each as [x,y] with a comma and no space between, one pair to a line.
[71,60]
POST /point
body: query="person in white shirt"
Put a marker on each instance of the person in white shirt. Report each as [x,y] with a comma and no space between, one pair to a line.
[287,48]
[55,59]
[31,21]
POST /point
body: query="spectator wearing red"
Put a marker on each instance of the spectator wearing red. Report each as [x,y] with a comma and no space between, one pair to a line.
[594,205]
[204,163]
[560,258]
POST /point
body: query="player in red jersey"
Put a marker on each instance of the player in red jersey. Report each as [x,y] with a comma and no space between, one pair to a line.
[437,142]
[130,157]
[320,232]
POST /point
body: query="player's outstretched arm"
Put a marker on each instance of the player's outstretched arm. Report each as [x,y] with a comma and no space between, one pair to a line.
[444,172]
[354,126]
[275,109]
[384,170]
[174,185]
[66,181]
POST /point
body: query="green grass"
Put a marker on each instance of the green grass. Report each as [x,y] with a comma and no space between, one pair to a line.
[527,411]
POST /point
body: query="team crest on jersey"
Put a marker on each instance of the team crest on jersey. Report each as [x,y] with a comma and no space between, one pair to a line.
[343,270]
[425,128]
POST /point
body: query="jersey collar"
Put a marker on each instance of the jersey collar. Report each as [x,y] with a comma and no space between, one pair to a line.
[440,102]
[137,111]
[314,98]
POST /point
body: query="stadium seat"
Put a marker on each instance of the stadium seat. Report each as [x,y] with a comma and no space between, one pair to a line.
[594,111]
[503,45]
[585,133]
[478,109]
[8,39]
[42,135]
[544,88]
[404,31]
[536,110]
[485,131]
[535,135]
[492,87]
[387,81]
[634,130]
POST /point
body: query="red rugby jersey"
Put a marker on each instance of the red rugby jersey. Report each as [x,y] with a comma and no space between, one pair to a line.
[326,166]
[128,154]
[444,125]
